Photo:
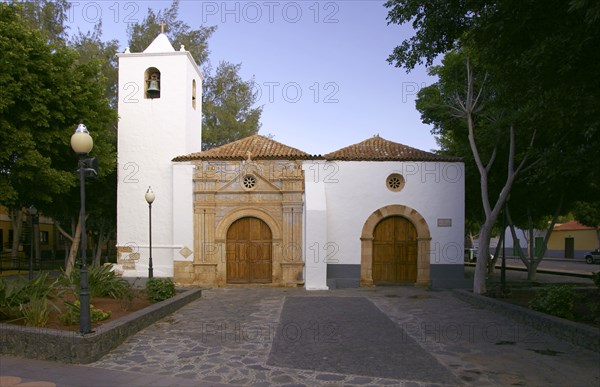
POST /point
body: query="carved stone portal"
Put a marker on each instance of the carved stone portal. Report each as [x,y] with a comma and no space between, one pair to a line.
[226,191]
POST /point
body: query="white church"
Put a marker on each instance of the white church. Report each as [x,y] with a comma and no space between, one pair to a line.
[256,211]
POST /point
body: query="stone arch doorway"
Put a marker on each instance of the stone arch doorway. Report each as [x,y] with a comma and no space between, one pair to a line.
[394,251]
[423,239]
[249,252]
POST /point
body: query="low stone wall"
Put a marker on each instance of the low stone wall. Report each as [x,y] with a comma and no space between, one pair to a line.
[575,333]
[72,347]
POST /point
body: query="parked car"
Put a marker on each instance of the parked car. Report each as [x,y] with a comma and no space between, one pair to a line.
[592,256]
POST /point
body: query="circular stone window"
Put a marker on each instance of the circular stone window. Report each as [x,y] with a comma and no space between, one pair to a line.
[395,182]
[249,181]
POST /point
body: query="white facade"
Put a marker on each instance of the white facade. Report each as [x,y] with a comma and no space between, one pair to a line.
[353,190]
[152,131]
[342,201]
[434,189]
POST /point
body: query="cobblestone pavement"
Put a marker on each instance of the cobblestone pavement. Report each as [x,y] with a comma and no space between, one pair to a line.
[226,337]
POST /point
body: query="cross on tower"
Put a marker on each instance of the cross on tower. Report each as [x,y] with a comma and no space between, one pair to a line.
[162,26]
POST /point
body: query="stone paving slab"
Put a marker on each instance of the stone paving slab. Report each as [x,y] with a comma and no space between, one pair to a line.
[226,337]
[349,335]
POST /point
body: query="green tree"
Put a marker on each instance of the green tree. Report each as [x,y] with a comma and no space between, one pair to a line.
[464,105]
[179,33]
[91,47]
[539,63]
[102,198]
[46,16]
[44,93]
[588,212]
[227,102]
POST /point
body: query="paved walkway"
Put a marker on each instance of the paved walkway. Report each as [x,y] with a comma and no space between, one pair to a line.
[246,336]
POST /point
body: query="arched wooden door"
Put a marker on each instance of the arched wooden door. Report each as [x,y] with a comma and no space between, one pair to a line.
[394,251]
[249,252]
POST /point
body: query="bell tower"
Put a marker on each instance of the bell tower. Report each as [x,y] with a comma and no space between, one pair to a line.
[159,119]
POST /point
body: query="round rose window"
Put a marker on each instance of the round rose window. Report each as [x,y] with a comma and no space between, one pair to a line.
[395,182]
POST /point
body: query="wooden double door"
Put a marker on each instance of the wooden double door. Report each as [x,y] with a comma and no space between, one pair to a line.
[249,252]
[395,249]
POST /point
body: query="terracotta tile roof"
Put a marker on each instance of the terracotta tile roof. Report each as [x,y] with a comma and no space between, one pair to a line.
[261,148]
[379,149]
[572,226]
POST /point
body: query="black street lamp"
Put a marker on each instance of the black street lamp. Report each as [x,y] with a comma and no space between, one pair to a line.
[82,144]
[150,198]
[33,214]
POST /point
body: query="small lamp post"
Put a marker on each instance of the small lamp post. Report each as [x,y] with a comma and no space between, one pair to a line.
[150,198]
[32,213]
[82,143]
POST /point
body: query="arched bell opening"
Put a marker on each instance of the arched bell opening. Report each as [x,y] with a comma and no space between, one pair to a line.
[152,83]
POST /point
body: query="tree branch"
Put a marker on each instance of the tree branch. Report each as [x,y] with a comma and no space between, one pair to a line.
[482,170]
[491,161]
[62,231]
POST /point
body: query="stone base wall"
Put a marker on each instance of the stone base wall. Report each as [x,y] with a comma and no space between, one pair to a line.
[73,347]
[205,274]
[194,274]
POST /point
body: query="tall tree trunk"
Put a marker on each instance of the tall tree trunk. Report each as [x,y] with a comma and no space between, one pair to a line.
[479,282]
[467,107]
[532,261]
[75,241]
[73,250]
[101,241]
[16,218]
[493,261]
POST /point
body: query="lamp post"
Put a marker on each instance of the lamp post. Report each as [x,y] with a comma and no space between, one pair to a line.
[82,143]
[32,213]
[150,198]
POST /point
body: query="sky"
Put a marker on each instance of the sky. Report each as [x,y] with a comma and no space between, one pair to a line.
[320,67]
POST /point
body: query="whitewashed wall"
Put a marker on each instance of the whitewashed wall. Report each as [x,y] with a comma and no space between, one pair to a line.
[355,189]
[151,133]
[315,236]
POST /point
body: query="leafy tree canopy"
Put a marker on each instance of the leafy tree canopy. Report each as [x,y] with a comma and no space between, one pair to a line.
[227,102]
[195,40]
[44,93]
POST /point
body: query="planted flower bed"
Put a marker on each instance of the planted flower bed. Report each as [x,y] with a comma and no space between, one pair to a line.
[53,302]
[40,317]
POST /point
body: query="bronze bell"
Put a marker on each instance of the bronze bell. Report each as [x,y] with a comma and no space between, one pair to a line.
[153,86]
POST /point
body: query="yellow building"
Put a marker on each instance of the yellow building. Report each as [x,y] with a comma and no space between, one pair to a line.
[571,240]
[49,236]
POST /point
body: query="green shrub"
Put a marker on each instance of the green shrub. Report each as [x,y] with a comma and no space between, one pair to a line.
[102,282]
[36,312]
[556,300]
[20,291]
[71,315]
[159,289]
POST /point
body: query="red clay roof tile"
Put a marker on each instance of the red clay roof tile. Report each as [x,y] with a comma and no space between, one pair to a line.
[379,149]
[260,147]
[573,225]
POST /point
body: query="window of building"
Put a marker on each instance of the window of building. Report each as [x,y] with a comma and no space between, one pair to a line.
[395,182]
[44,237]
[194,93]
[249,181]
